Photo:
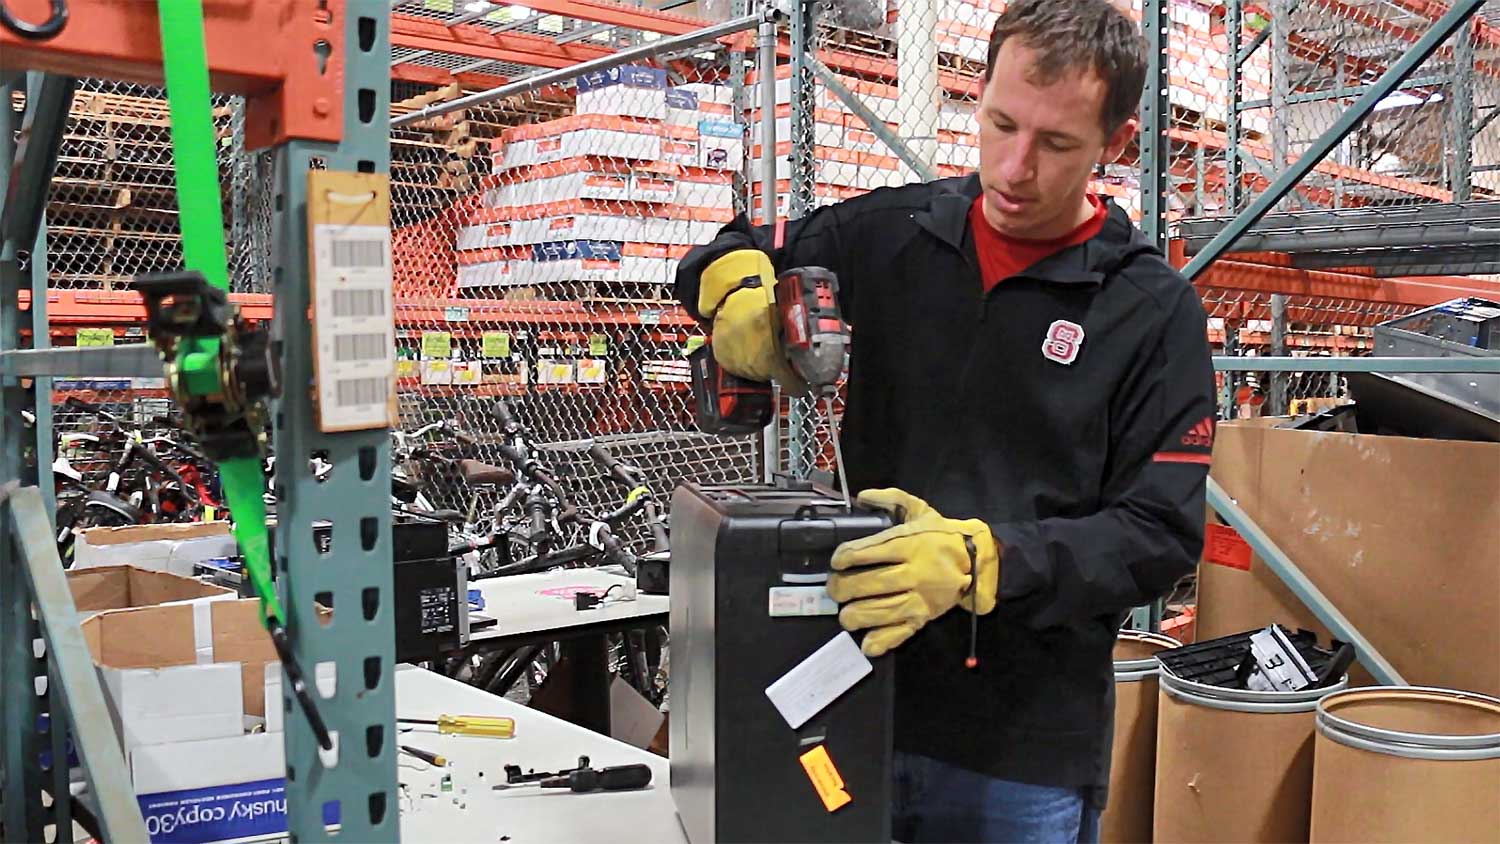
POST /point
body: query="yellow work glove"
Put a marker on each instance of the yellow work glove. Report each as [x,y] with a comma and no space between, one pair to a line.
[895,581]
[738,292]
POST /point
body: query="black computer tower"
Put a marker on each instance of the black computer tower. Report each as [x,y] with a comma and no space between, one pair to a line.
[736,775]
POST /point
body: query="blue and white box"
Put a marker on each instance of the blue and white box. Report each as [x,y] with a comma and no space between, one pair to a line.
[682,108]
[721,144]
[228,789]
[629,91]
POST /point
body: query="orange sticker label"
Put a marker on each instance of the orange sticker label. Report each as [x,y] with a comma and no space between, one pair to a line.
[1225,547]
[825,778]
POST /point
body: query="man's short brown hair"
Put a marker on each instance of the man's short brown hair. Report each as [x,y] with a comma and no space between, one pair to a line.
[1072,35]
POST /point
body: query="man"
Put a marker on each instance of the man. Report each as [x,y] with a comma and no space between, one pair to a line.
[1031,394]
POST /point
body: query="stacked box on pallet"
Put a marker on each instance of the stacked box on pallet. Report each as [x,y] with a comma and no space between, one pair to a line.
[612,196]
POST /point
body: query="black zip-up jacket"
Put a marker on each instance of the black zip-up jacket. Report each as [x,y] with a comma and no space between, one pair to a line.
[1071,408]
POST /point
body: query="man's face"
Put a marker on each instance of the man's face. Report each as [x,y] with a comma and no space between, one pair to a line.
[1038,144]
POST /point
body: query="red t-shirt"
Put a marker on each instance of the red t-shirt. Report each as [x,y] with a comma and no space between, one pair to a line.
[1002,256]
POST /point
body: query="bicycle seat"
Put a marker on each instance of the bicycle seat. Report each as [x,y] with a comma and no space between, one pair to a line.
[114,504]
[476,472]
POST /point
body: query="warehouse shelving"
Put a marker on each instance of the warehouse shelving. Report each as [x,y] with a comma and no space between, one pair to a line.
[470,49]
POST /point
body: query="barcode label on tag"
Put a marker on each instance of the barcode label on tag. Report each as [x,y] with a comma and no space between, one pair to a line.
[354,326]
[357,391]
[348,347]
[358,253]
[358,303]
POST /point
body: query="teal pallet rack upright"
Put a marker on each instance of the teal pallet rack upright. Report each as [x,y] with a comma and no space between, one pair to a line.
[315,74]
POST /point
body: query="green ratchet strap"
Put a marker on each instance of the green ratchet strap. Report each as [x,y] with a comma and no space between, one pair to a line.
[185,61]
[220,382]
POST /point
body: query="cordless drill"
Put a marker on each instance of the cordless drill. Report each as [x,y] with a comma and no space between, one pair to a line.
[812,336]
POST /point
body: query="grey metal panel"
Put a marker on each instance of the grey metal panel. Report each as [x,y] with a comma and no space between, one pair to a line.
[1229,363]
[1155,149]
[72,667]
[1456,17]
[1473,223]
[133,360]
[47,101]
[1480,390]
[1452,260]
[21,817]
[359,640]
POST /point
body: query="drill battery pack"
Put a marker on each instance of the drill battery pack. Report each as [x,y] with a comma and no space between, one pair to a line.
[748,605]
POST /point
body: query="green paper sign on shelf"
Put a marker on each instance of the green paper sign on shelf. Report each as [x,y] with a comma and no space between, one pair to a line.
[695,343]
[88,337]
[598,345]
[437,344]
[495,344]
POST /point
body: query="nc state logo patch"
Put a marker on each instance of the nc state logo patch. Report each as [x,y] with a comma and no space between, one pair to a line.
[1063,341]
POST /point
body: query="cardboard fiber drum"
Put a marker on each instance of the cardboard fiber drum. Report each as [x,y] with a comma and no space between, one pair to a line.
[1132,773]
[1233,765]
[1407,764]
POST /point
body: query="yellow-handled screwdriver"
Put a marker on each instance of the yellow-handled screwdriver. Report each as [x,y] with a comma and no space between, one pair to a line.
[468,725]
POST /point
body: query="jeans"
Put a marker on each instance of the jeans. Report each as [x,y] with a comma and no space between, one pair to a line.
[936,802]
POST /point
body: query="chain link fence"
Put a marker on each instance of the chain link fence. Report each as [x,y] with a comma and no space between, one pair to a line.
[536,246]
[535,243]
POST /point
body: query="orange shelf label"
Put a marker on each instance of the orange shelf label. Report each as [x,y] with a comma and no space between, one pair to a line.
[1224,546]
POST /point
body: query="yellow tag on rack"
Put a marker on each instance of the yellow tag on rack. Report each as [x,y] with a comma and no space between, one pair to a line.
[437,344]
[825,778]
[89,337]
[495,344]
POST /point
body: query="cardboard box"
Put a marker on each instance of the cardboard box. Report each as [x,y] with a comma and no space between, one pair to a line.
[122,587]
[227,789]
[163,637]
[496,273]
[1399,533]
[169,547]
[680,151]
[682,108]
[630,91]
[721,144]
[197,776]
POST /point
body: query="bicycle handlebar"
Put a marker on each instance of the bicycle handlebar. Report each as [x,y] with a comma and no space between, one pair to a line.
[502,411]
[619,471]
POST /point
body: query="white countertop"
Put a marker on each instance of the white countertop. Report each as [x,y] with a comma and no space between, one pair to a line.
[527,815]
[535,603]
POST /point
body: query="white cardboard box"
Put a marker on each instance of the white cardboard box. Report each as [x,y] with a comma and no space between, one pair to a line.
[630,91]
[197,776]
[496,273]
[175,703]
[721,144]
[168,547]
[228,789]
[652,187]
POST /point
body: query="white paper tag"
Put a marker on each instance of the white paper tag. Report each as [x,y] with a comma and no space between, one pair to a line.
[819,680]
[356,326]
[1280,667]
[790,601]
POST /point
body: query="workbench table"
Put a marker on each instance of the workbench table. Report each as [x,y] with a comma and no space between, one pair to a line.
[527,815]
[533,609]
